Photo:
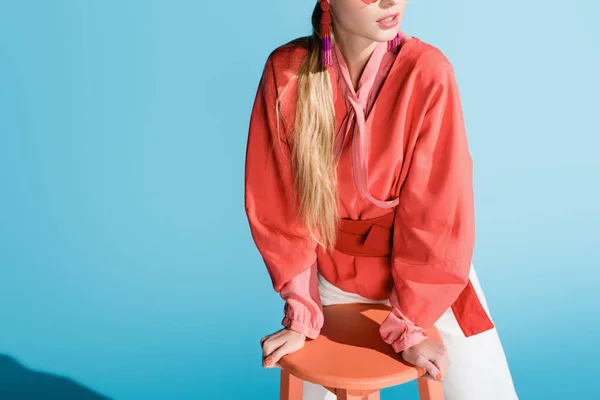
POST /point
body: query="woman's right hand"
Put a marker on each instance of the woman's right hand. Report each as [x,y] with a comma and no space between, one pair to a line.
[278,344]
[430,355]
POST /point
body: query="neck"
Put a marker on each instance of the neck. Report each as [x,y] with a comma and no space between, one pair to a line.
[356,51]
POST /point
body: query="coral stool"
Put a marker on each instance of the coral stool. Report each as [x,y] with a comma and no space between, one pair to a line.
[350,358]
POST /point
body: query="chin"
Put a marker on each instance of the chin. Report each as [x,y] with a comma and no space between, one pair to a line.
[386,36]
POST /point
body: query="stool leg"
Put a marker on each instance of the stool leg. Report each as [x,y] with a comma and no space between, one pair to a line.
[345,394]
[430,390]
[290,387]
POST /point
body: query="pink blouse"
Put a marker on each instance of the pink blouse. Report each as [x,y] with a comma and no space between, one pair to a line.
[303,309]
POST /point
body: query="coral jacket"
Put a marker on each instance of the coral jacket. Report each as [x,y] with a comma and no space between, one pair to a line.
[402,153]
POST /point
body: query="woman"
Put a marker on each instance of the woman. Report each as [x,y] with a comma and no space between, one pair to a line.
[358,188]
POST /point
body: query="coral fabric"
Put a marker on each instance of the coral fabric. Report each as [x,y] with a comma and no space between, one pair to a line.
[400,142]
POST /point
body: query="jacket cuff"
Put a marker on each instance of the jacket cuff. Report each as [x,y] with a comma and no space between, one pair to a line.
[399,331]
[303,309]
[407,340]
[300,327]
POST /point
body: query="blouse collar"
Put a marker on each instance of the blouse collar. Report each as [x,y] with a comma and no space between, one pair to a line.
[358,101]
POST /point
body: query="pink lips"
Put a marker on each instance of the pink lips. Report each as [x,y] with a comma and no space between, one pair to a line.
[387,16]
[389,24]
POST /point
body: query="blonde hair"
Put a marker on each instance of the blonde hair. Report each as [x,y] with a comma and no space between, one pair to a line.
[313,163]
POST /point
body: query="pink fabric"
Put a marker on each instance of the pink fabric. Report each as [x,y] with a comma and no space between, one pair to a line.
[397,330]
[359,104]
[303,310]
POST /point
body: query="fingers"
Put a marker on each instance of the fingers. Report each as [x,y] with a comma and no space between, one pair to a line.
[429,355]
[441,362]
[431,368]
[264,338]
[277,345]
[269,360]
[440,359]
[429,377]
[280,352]
[270,345]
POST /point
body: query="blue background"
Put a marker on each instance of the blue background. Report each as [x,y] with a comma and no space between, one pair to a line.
[126,263]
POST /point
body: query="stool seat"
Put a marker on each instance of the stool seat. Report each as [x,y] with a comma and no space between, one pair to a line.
[350,354]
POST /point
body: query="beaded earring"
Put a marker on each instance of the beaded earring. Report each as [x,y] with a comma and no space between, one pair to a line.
[326,56]
[394,43]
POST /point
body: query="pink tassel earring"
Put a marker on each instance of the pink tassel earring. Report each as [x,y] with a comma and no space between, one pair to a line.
[394,44]
[326,56]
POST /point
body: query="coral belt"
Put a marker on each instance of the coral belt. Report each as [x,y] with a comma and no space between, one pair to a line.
[368,237]
[374,237]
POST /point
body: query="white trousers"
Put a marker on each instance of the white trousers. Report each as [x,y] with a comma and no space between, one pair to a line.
[478,368]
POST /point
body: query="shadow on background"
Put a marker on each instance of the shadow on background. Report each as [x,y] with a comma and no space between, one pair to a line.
[19,383]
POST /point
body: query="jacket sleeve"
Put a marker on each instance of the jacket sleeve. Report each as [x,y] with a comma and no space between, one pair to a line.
[271,204]
[434,227]
[303,311]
